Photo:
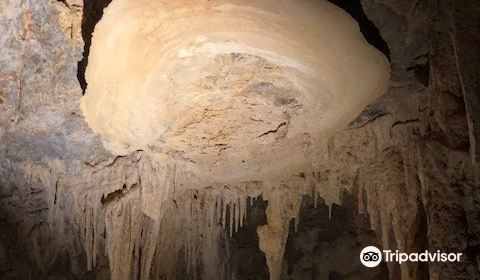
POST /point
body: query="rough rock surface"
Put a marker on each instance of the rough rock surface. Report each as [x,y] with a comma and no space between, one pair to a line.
[70,209]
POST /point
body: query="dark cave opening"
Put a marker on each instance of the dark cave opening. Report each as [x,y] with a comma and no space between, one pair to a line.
[327,241]
[246,259]
[367,27]
[92,13]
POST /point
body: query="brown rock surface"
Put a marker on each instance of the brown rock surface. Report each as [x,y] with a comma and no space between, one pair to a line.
[409,162]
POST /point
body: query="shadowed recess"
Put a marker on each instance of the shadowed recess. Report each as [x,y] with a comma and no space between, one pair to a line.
[92,13]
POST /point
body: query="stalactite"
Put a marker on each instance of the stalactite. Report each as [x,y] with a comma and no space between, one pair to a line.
[196,217]
[283,205]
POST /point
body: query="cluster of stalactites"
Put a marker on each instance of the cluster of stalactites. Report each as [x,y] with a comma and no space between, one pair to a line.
[113,215]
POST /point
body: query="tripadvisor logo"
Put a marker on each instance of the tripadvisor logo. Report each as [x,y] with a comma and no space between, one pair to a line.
[371,256]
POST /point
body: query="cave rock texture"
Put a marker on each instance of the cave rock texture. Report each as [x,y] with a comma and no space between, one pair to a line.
[238,139]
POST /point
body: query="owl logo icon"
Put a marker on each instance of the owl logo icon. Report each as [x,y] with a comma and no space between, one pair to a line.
[370,256]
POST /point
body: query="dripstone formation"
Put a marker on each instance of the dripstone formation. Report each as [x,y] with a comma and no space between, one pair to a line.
[95,186]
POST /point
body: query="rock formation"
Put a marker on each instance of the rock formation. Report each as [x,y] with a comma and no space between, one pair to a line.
[113,176]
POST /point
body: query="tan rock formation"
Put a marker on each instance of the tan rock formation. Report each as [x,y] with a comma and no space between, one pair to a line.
[403,174]
[233,86]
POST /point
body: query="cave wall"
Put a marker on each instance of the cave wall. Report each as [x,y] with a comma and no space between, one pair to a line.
[409,162]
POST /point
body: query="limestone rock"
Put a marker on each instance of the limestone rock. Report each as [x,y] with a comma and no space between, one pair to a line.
[406,170]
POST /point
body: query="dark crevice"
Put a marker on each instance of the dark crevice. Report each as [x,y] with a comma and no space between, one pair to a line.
[56,191]
[421,69]
[113,195]
[64,2]
[273,130]
[421,72]
[367,27]
[421,238]
[403,122]
[92,13]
